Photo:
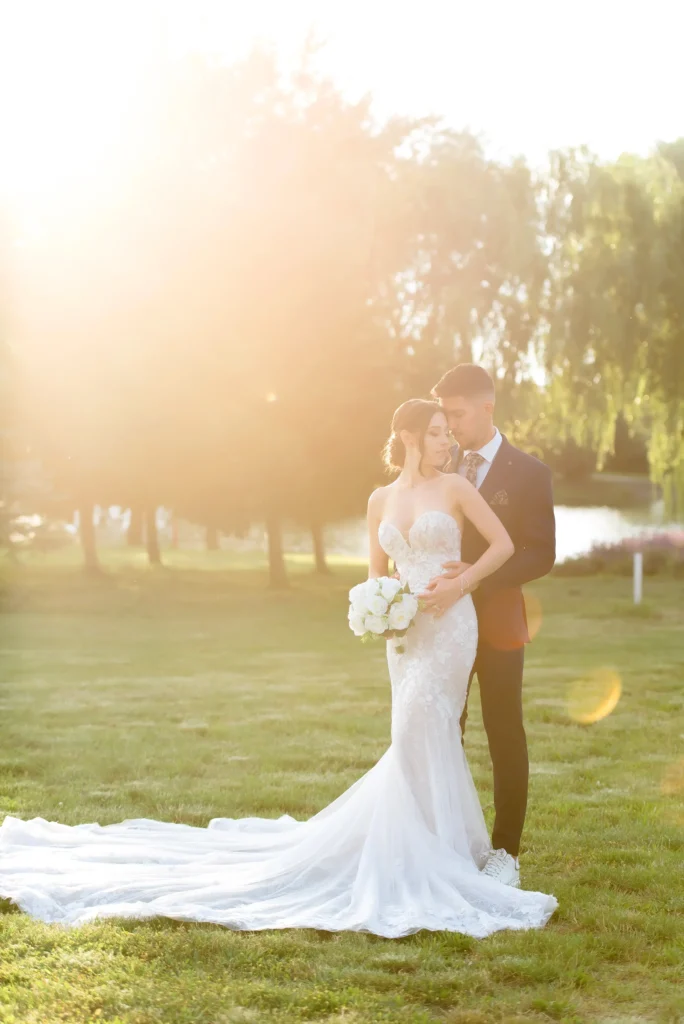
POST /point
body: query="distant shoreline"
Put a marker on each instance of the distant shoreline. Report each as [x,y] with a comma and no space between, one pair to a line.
[614,490]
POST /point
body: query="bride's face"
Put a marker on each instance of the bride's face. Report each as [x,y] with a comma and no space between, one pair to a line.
[436,442]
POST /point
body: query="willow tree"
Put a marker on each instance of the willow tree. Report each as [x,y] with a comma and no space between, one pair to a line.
[614,303]
[474,266]
[664,398]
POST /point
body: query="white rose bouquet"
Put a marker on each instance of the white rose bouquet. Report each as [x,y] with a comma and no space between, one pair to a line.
[381,607]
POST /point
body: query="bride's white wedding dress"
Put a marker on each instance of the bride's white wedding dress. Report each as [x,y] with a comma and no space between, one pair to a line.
[399,851]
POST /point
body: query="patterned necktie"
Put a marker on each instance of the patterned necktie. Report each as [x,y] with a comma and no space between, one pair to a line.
[473,461]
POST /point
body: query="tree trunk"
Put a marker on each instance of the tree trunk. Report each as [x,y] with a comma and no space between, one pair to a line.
[276,562]
[212,538]
[86,531]
[134,536]
[319,549]
[151,536]
[174,532]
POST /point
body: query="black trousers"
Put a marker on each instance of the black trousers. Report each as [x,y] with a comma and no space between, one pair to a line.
[500,675]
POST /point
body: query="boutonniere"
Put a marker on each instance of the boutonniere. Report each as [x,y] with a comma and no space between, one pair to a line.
[500,498]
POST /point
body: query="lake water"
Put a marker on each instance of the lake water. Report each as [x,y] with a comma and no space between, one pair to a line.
[577,530]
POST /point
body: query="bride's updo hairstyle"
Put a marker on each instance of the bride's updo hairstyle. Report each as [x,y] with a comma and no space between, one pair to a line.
[414,416]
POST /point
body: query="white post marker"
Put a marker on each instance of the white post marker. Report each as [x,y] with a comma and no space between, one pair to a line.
[638,576]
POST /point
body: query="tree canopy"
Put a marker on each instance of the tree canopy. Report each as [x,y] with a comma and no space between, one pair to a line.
[226,323]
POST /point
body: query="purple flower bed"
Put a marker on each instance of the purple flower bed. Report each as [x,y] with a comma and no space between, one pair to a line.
[663,553]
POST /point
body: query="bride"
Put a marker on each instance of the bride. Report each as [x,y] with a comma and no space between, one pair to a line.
[400,850]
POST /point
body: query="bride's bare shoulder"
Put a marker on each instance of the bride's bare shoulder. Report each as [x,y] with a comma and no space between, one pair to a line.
[377,500]
[455,486]
[453,480]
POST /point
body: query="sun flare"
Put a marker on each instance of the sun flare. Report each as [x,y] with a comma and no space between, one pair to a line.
[595,696]
[69,74]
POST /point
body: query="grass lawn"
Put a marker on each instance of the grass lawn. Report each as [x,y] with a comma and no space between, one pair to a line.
[186,694]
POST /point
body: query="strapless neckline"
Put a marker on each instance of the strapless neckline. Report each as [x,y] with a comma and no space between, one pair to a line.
[428,512]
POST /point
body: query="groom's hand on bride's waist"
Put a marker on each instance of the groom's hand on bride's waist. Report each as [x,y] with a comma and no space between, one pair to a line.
[440,593]
[444,590]
[452,570]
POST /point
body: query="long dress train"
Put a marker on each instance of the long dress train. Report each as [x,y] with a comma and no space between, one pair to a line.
[399,851]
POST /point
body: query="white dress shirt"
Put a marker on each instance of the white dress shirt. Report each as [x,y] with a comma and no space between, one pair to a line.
[487,451]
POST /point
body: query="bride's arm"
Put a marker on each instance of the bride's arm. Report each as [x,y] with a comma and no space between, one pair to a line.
[443,591]
[378,561]
[487,523]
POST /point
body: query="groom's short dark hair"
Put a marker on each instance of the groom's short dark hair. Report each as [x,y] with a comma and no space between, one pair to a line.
[465,380]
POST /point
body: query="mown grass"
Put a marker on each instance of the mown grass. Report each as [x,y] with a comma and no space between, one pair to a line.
[186,694]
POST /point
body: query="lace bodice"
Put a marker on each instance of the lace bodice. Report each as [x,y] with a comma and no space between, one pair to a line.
[439,651]
[434,538]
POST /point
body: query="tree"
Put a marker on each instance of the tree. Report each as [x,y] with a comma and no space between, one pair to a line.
[474,268]
[288,210]
[615,341]
[228,332]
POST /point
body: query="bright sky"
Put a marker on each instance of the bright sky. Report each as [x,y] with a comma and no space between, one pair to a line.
[529,75]
[532,75]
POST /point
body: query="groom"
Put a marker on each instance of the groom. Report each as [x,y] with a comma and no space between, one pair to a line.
[518,489]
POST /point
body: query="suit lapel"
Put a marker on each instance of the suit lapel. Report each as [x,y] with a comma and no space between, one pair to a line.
[498,471]
[495,480]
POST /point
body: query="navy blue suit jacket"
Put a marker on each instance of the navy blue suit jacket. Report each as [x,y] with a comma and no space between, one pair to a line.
[518,488]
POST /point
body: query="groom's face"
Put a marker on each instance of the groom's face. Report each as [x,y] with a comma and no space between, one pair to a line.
[470,419]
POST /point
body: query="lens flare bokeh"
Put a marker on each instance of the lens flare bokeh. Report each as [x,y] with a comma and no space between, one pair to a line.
[594,696]
[533,613]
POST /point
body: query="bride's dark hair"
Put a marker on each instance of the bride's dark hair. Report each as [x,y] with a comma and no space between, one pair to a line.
[414,416]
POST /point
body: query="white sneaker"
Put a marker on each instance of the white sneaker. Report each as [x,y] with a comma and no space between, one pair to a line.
[503,867]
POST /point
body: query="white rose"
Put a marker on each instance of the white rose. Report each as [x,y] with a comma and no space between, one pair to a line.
[402,612]
[390,588]
[372,588]
[356,623]
[399,617]
[410,603]
[377,605]
[376,623]
[357,594]
[361,594]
